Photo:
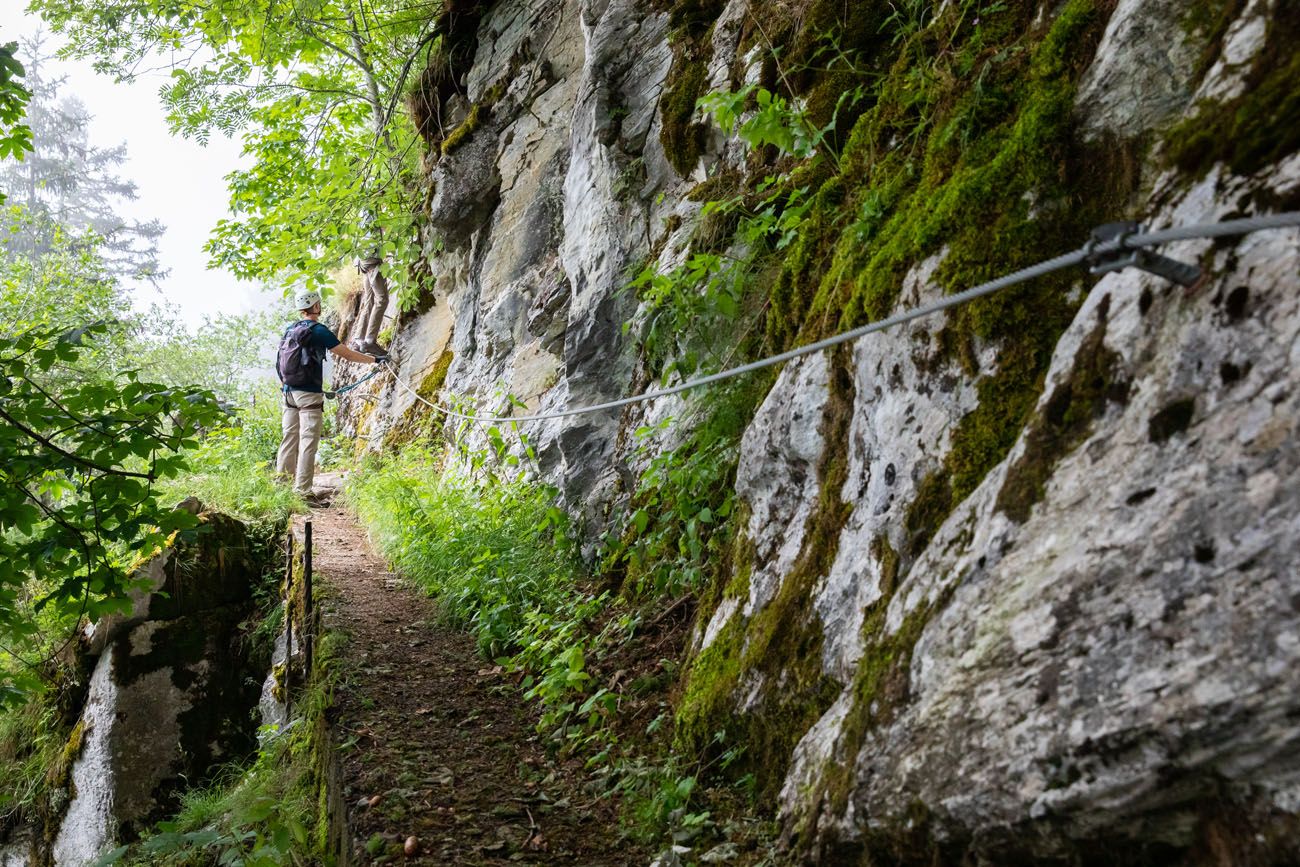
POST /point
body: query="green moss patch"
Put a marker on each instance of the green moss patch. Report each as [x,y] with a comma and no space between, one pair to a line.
[459,135]
[436,377]
[1257,128]
[682,135]
[1095,382]
[414,422]
[967,143]
[783,641]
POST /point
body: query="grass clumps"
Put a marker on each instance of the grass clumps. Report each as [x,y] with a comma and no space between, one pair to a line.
[596,654]
[32,742]
[496,555]
[231,471]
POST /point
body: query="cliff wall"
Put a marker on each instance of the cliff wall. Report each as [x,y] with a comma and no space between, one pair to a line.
[1016,582]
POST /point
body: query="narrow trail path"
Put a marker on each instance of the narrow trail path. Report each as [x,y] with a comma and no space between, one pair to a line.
[436,742]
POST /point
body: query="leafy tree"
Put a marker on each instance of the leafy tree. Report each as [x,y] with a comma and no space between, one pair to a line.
[83,445]
[228,353]
[77,474]
[315,89]
[15,136]
[71,182]
[67,285]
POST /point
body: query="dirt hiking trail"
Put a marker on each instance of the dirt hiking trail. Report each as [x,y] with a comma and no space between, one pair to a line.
[435,741]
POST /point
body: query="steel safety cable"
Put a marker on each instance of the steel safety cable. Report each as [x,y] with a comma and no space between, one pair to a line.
[1081,256]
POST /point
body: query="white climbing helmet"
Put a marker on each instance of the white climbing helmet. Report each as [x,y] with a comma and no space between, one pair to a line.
[305,299]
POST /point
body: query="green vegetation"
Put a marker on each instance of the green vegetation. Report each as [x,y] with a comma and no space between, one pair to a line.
[79,461]
[230,469]
[784,638]
[497,556]
[501,560]
[879,136]
[101,431]
[313,92]
[15,136]
[676,537]
[31,746]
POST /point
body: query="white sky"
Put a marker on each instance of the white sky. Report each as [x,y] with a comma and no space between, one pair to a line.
[180,181]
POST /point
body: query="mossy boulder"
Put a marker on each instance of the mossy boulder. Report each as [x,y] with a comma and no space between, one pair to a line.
[216,564]
[171,694]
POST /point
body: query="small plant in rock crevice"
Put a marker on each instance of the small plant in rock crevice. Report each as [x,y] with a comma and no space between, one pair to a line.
[710,287]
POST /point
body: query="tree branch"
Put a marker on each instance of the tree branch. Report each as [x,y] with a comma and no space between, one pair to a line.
[69,455]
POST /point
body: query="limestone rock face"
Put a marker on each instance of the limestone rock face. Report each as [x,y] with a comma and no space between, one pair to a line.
[1091,651]
[170,695]
[530,299]
[1122,655]
[1142,74]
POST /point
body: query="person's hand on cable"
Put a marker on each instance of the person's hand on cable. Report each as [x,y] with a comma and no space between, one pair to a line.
[382,359]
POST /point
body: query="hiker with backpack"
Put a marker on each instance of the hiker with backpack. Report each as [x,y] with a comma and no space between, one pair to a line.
[300,364]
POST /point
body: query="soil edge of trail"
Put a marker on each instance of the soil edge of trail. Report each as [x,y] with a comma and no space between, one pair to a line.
[434,742]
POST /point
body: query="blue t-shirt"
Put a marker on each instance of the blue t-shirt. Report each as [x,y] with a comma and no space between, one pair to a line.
[320,340]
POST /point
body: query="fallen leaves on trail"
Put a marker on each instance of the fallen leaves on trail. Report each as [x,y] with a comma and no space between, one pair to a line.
[445,766]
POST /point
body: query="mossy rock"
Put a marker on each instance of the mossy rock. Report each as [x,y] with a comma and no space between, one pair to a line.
[682,134]
[217,565]
[781,644]
[1262,124]
[1095,381]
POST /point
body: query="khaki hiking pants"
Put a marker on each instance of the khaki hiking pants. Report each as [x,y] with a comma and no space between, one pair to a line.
[370,318]
[304,414]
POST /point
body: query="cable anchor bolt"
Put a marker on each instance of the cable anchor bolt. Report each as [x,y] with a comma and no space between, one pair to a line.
[1107,250]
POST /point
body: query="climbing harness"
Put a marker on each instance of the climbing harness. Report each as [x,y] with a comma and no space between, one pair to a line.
[1111,247]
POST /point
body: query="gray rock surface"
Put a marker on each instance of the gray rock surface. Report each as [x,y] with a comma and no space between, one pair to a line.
[1109,665]
[1130,652]
[1142,75]
[17,852]
[169,698]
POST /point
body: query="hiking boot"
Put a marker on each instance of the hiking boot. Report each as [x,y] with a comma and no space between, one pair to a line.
[373,348]
[317,499]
